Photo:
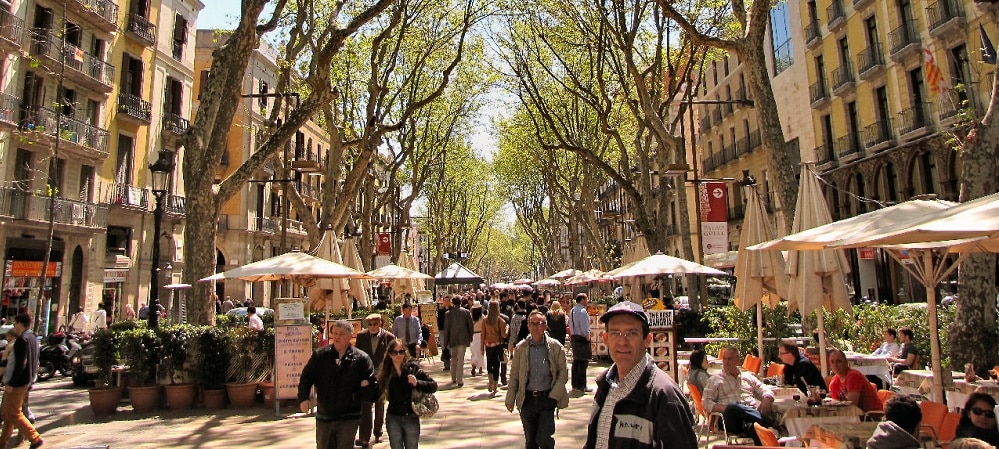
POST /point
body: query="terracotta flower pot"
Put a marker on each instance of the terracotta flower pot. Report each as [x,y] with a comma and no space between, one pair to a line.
[105,401]
[214,399]
[241,395]
[267,388]
[180,396]
[144,399]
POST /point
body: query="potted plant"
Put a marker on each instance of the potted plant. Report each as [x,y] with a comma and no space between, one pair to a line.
[265,345]
[212,364]
[175,348]
[141,349]
[104,397]
[244,372]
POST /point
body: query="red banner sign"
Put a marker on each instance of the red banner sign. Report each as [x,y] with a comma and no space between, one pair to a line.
[31,268]
[384,244]
[714,217]
[866,253]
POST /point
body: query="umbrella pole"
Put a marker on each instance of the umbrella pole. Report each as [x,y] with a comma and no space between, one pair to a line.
[931,304]
[759,329]
[821,312]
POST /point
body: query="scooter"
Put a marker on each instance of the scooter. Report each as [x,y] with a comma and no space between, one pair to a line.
[56,354]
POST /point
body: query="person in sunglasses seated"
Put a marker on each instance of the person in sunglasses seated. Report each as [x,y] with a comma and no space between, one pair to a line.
[978,419]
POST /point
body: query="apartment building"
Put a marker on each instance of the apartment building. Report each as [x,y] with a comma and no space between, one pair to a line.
[258,223]
[883,86]
[83,87]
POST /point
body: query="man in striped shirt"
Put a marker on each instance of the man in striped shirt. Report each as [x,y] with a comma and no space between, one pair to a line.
[739,396]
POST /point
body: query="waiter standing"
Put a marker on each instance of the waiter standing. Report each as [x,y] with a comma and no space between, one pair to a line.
[579,325]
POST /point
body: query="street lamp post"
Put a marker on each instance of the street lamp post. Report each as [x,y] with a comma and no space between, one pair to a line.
[161,171]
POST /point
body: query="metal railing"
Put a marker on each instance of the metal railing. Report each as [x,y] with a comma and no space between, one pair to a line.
[121,194]
[141,27]
[842,76]
[817,91]
[135,107]
[876,133]
[903,36]
[267,224]
[847,145]
[728,153]
[71,130]
[106,9]
[175,204]
[726,109]
[812,32]
[43,42]
[755,140]
[870,58]
[11,27]
[944,11]
[175,123]
[716,115]
[914,118]
[8,104]
[825,153]
[24,205]
[835,12]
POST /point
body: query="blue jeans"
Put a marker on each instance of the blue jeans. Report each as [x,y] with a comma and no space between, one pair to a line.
[739,419]
[538,416]
[403,431]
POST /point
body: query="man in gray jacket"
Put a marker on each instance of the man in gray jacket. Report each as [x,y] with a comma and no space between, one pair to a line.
[901,424]
[456,336]
[538,375]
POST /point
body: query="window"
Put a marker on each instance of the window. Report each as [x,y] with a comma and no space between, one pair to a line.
[68,103]
[262,100]
[780,35]
[820,72]
[57,175]
[960,73]
[844,53]
[86,183]
[123,166]
[203,81]
[884,114]
[854,124]
[871,29]
[827,140]
[916,87]
[131,75]
[74,36]
[22,170]
[179,36]
[173,97]
[119,240]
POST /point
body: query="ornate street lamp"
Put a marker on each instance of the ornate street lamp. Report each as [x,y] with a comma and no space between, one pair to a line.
[161,170]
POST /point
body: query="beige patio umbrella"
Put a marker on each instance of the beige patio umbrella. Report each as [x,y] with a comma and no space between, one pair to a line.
[567,273]
[817,276]
[658,265]
[392,271]
[330,293]
[405,285]
[295,266]
[587,277]
[762,276]
[636,251]
[358,288]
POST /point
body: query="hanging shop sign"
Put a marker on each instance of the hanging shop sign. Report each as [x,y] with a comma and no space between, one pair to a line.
[31,268]
[112,275]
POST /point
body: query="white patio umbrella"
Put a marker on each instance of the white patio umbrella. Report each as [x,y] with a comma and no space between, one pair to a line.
[817,276]
[330,293]
[658,265]
[523,281]
[567,273]
[762,276]
[587,277]
[636,251]
[358,288]
[392,271]
[294,266]
[406,284]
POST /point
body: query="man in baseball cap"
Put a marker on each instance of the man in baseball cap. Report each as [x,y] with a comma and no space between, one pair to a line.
[646,409]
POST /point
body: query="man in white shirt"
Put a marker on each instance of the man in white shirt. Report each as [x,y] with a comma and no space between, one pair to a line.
[253,320]
[890,347]
[79,321]
[739,396]
[100,318]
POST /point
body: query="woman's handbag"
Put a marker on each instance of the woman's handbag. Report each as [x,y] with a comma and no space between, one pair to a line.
[424,404]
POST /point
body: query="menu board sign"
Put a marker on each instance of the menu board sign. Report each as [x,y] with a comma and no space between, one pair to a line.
[292,349]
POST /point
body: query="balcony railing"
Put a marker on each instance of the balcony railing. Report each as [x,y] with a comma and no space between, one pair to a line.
[716,115]
[729,154]
[43,42]
[135,107]
[755,140]
[175,123]
[847,146]
[11,28]
[812,34]
[817,92]
[175,205]
[705,123]
[141,27]
[825,153]
[70,129]
[742,146]
[903,38]
[857,4]
[125,195]
[914,118]
[8,104]
[842,77]
[23,205]
[876,134]
[105,12]
[267,224]
[836,15]
[726,109]
[944,11]
[870,59]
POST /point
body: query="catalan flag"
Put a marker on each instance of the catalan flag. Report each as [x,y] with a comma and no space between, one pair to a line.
[933,76]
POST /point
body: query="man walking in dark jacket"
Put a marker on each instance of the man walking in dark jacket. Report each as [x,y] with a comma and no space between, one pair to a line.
[374,342]
[456,336]
[344,377]
[644,408]
[22,369]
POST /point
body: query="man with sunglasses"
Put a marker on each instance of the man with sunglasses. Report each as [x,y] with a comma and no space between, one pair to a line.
[637,405]
[538,375]
[851,385]
[373,341]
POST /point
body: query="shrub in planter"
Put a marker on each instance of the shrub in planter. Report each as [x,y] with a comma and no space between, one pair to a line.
[105,356]
[176,342]
[213,357]
[141,350]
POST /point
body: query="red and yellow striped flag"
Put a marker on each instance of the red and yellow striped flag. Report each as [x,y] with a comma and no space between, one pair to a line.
[933,76]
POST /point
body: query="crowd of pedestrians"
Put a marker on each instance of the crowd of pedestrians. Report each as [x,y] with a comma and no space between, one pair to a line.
[521,344]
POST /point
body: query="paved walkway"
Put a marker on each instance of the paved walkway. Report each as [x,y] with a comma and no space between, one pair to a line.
[468,418]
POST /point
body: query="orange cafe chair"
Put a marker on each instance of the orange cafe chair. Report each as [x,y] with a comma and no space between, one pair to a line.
[933,417]
[775,369]
[752,364]
[767,438]
[710,418]
[949,429]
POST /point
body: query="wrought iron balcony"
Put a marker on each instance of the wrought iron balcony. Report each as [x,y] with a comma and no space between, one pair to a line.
[11,31]
[127,196]
[307,161]
[266,224]
[716,115]
[817,93]
[812,34]
[755,140]
[23,205]
[842,78]
[904,40]
[847,146]
[878,136]
[83,135]
[945,16]
[726,109]
[174,123]
[134,107]
[914,119]
[84,68]
[103,13]
[175,204]
[141,28]
[8,104]
[871,61]
[836,15]
[825,153]
[729,154]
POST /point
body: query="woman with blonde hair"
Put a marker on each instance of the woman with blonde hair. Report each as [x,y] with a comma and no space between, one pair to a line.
[399,376]
[556,322]
[494,335]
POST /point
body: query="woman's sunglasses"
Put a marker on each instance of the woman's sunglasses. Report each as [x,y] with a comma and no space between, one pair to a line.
[979,412]
[397,352]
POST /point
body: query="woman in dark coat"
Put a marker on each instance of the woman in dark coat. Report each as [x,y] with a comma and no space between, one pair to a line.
[399,375]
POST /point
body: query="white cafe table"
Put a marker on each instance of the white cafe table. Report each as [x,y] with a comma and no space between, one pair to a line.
[870,365]
[920,381]
[958,394]
[798,417]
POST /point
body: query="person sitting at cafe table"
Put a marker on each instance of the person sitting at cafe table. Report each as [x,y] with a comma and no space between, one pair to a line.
[978,419]
[851,385]
[890,347]
[798,369]
[907,354]
[739,396]
[898,430]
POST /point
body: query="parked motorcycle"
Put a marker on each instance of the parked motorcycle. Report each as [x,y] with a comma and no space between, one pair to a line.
[56,354]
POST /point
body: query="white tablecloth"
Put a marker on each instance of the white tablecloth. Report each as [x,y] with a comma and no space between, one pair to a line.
[798,420]
[870,366]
